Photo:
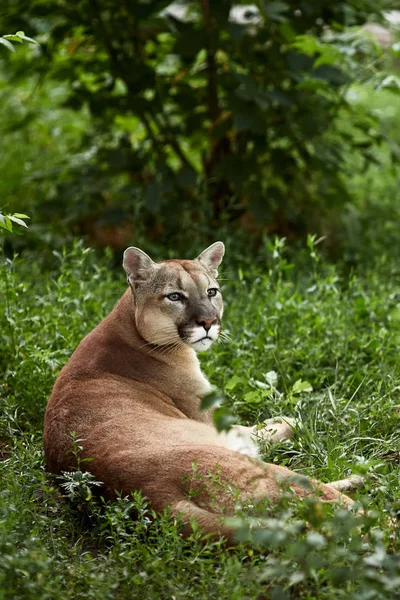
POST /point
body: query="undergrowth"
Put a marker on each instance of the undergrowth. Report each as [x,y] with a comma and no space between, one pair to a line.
[306,341]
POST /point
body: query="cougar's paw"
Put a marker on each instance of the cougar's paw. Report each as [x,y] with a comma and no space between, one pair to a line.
[276,429]
[349,484]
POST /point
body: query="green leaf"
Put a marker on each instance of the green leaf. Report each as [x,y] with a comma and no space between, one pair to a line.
[20,37]
[232,383]
[7,44]
[287,31]
[328,56]
[223,419]
[8,224]
[213,399]
[274,11]
[271,378]
[7,220]
[13,38]
[391,82]
[24,37]
[301,386]
[334,75]
[3,223]
[307,44]
[17,220]
[394,314]
[253,397]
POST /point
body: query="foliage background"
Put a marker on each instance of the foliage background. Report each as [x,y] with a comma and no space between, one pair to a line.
[274,127]
[147,119]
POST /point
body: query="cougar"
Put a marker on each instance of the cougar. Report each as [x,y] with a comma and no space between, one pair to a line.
[132,391]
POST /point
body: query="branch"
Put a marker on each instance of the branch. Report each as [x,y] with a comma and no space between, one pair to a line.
[169,135]
[212,87]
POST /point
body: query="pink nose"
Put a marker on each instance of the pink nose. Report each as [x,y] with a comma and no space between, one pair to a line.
[206,323]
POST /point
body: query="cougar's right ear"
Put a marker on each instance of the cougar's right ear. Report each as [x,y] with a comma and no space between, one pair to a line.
[212,257]
[137,265]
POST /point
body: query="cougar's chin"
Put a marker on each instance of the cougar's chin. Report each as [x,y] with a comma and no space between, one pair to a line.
[201,345]
[199,339]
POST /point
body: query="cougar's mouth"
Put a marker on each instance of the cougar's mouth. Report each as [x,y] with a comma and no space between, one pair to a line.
[197,338]
[200,344]
[205,337]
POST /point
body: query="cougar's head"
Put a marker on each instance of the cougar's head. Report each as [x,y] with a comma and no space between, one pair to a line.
[176,302]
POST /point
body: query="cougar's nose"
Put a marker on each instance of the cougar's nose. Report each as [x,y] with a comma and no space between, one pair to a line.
[206,323]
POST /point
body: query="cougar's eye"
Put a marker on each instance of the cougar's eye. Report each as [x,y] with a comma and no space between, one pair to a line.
[174,297]
[212,292]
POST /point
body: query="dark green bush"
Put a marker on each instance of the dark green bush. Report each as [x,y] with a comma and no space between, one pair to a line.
[198,119]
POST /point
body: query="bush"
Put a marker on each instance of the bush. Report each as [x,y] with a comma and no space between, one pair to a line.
[198,119]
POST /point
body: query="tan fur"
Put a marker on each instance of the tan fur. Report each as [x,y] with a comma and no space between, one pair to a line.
[131,391]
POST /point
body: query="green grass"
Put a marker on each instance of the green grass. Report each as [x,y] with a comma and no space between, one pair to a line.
[306,341]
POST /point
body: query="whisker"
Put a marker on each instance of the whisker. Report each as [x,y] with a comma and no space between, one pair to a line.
[174,346]
[163,344]
[224,335]
[159,343]
[169,329]
[146,344]
[181,343]
[153,343]
[160,347]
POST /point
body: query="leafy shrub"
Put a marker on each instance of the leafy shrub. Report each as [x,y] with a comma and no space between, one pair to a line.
[200,118]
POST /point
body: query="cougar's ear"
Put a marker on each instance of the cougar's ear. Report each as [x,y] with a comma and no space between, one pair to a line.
[212,257]
[137,265]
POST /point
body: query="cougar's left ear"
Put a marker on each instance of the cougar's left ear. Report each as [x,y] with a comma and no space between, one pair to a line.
[138,266]
[212,257]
